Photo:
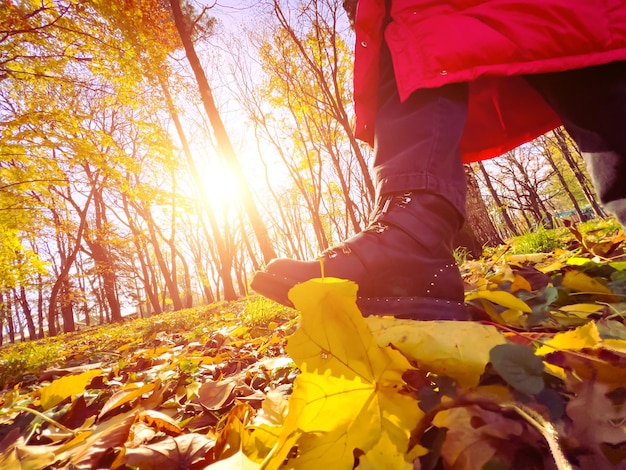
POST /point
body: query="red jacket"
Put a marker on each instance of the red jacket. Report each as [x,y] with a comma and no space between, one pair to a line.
[488,43]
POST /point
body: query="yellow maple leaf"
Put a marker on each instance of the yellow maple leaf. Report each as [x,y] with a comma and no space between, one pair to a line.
[500,297]
[582,351]
[459,350]
[64,387]
[586,336]
[349,394]
[581,282]
[384,456]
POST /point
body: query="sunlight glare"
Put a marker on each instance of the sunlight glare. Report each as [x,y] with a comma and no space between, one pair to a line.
[220,186]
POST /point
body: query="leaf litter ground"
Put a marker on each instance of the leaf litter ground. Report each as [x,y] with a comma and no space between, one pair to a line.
[537,381]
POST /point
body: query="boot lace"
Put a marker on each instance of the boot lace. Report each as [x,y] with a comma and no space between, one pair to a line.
[400,200]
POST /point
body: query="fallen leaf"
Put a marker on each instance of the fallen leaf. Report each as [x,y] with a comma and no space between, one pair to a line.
[160,422]
[384,456]
[595,418]
[172,452]
[500,297]
[519,367]
[459,350]
[349,392]
[125,396]
[520,283]
[65,387]
[237,461]
[86,452]
[586,336]
[213,395]
[581,282]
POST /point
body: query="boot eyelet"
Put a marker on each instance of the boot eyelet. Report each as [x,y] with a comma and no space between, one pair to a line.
[404,199]
[379,227]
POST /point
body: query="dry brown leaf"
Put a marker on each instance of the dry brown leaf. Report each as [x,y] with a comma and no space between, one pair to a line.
[171,453]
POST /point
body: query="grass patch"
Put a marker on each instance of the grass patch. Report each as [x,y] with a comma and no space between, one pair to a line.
[542,240]
[260,311]
[461,255]
[24,362]
[18,361]
[600,227]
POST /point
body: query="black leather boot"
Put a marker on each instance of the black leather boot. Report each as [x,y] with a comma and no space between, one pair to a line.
[402,262]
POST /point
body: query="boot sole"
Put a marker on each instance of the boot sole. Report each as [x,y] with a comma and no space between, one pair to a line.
[412,308]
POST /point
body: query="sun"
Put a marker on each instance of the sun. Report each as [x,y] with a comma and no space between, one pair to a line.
[220,187]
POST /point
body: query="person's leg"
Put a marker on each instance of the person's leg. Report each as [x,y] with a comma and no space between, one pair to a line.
[403,261]
[592,106]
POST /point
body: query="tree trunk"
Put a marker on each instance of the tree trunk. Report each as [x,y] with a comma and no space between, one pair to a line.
[330,89]
[503,210]
[3,315]
[172,288]
[30,324]
[40,305]
[67,307]
[561,139]
[223,141]
[559,175]
[103,258]
[140,246]
[478,231]
[225,261]
[9,319]
[62,279]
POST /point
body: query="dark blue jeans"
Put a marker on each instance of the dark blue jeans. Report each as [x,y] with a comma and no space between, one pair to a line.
[417,141]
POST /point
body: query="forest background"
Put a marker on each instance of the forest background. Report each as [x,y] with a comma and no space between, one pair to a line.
[153,155]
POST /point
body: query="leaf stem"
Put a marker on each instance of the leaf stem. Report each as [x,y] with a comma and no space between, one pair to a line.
[547,431]
[45,418]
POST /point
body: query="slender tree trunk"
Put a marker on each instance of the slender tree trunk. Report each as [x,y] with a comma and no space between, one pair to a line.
[67,306]
[3,316]
[332,95]
[23,301]
[501,207]
[534,202]
[478,231]
[559,175]
[18,320]
[172,288]
[223,141]
[344,187]
[187,294]
[65,269]
[104,259]
[140,246]
[9,318]
[224,259]
[561,139]
[40,305]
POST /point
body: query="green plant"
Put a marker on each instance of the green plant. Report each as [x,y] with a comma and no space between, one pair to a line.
[31,358]
[600,227]
[260,311]
[542,240]
[461,255]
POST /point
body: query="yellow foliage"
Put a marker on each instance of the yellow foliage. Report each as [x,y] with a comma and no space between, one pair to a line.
[500,297]
[459,350]
[579,281]
[65,387]
[586,336]
[349,395]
